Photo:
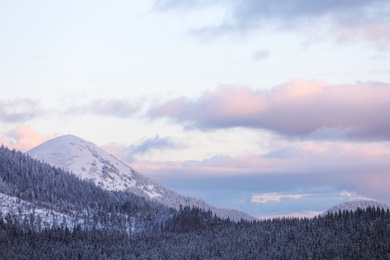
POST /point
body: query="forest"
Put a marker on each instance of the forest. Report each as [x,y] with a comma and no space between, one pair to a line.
[363,234]
[100,224]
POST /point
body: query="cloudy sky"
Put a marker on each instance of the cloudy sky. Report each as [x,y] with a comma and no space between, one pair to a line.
[271,107]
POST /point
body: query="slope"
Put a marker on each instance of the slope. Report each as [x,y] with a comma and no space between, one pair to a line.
[89,162]
[41,195]
[354,205]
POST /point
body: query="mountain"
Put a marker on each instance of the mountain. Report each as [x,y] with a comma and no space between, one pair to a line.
[89,162]
[354,205]
[37,195]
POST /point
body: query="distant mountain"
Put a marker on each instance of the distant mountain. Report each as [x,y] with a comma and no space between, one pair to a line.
[89,162]
[354,205]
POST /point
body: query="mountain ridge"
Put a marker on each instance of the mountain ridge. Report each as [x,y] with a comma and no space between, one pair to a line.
[355,205]
[90,162]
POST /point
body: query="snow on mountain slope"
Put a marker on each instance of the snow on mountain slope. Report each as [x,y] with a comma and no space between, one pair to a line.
[26,211]
[354,205]
[90,162]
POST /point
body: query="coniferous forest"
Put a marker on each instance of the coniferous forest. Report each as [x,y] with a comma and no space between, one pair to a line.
[63,217]
[360,235]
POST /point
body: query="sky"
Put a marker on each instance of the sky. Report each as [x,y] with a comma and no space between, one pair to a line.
[275,108]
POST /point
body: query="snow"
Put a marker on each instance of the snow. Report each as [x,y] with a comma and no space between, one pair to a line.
[24,209]
[89,162]
[86,160]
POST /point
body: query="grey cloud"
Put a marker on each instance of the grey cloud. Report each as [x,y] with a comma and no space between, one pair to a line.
[128,153]
[115,107]
[248,14]
[155,143]
[251,13]
[281,153]
[322,184]
[347,20]
[18,110]
[260,55]
[166,5]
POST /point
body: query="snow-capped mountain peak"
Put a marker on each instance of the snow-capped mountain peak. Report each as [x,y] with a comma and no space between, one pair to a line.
[86,160]
[89,162]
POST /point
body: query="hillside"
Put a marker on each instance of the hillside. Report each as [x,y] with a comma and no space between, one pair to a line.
[89,162]
[350,235]
[355,205]
[42,196]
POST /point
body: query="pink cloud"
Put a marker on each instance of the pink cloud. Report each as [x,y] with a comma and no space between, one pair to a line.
[24,138]
[377,33]
[307,109]
[115,149]
[301,157]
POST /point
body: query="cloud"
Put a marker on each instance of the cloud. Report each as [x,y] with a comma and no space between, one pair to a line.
[301,214]
[278,196]
[303,158]
[353,196]
[347,20]
[362,169]
[304,109]
[122,108]
[315,201]
[18,110]
[260,55]
[24,138]
[214,166]
[280,153]
[148,145]
[166,5]
[252,13]
[298,177]
[156,143]
[264,198]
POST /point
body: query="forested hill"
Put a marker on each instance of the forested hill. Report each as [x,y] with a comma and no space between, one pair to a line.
[41,195]
[355,205]
[363,234]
